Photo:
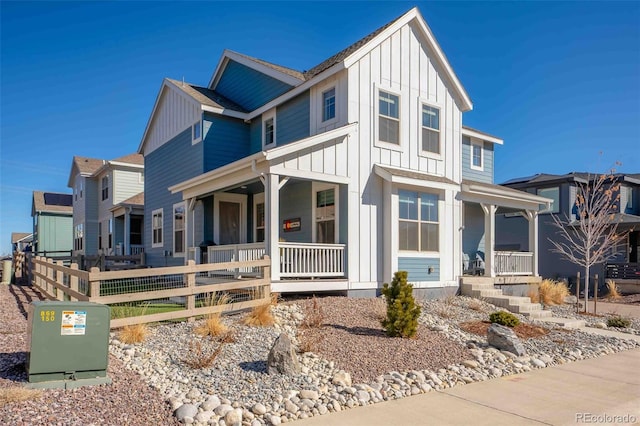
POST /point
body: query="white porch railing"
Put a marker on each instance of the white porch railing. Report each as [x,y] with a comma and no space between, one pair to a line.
[513,263]
[236,253]
[311,260]
[137,249]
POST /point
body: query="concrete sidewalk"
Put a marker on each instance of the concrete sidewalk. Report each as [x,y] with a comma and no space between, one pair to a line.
[625,310]
[562,395]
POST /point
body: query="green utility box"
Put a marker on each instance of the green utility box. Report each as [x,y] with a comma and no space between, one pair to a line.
[68,344]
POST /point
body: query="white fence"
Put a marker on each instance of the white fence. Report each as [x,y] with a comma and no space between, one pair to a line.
[513,263]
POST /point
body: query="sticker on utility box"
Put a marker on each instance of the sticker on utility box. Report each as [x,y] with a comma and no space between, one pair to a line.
[74,323]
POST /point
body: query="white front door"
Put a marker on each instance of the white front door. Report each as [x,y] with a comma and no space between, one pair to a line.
[230,218]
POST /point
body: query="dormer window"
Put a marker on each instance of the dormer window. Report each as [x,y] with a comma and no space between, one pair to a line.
[329,104]
[430,129]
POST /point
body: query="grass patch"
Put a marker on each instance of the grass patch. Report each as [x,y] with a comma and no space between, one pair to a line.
[552,292]
[260,316]
[213,325]
[138,309]
[18,394]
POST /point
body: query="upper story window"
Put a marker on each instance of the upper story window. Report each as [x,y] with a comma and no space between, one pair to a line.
[141,177]
[430,129]
[329,104]
[629,206]
[196,132]
[418,221]
[105,188]
[269,129]
[389,118]
[477,155]
[554,194]
[156,228]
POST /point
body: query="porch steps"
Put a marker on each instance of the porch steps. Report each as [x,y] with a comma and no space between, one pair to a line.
[483,288]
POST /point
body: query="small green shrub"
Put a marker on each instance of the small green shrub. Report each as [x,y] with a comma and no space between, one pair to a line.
[618,322]
[402,310]
[504,318]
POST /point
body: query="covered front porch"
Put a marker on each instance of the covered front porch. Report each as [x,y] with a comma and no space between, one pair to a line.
[481,255]
[264,205]
[128,220]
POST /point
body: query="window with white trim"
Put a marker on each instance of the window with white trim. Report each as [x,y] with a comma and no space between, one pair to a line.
[179,233]
[554,194]
[105,188]
[269,131]
[78,236]
[430,129]
[325,216]
[99,235]
[329,104]
[477,155]
[196,132]
[156,228]
[418,225]
[258,236]
[388,117]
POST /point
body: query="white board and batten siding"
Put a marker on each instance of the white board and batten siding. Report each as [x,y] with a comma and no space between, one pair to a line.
[174,113]
[401,65]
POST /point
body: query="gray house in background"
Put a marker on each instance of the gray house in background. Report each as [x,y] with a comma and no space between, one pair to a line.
[511,228]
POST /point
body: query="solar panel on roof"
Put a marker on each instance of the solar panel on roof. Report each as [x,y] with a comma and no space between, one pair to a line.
[51,199]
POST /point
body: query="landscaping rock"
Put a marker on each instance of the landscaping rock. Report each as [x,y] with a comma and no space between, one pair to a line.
[341,378]
[504,338]
[186,410]
[282,358]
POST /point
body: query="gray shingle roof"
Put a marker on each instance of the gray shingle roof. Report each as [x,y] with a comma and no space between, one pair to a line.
[39,203]
[19,236]
[289,71]
[206,96]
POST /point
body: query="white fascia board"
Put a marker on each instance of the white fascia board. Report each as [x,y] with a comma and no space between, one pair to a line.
[404,180]
[503,198]
[217,173]
[127,165]
[223,111]
[481,136]
[414,14]
[306,175]
[309,142]
[231,55]
[297,90]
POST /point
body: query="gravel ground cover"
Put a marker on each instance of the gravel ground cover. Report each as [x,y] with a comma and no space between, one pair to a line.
[352,364]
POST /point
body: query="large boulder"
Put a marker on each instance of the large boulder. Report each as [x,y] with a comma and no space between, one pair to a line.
[505,339]
[282,357]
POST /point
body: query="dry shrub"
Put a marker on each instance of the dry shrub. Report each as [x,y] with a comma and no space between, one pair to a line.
[213,325]
[198,358]
[18,394]
[309,340]
[444,312]
[552,292]
[260,316]
[313,315]
[275,298]
[450,295]
[475,305]
[136,333]
[612,290]
[533,294]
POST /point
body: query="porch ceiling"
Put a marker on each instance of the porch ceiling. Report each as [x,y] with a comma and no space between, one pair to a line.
[500,196]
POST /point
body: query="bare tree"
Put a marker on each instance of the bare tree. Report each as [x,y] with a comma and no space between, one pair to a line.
[588,240]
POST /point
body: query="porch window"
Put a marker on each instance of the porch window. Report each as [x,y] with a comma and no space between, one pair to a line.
[329,104]
[325,216]
[178,229]
[389,118]
[156,227]
[259,222]
[476,155]
[418,221]
[105,188]
[554,194]
[430,129]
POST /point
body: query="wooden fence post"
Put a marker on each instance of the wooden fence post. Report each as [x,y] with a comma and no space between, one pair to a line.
[59,280]
[73,280]
[578,293]
[190,278]
[50,277]
[266,277]
[94,285]
[595,296]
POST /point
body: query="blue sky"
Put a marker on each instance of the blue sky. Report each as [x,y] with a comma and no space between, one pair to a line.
[559,81]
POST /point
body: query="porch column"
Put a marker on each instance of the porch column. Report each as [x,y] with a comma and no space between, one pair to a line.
[272,221]
[489,238]
[532,217]
[127,229]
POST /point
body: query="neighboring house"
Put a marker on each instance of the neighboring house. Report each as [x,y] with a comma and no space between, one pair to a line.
[52,215]
[562,189]
[343,174]
[107,204]
[21,240]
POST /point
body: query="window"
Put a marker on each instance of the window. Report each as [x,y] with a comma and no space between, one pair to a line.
[135,236]
[268,131]
[141,177]
[430,129]
[629,207]
[99,235]
[156,228]
[78,235]
[554,194]
[325,216]
[80,188]
[105,188]
[329,104]
[259,218]
[477,155]
[418,221]
[110,228]
[389,118]
[196,132]
[179,229]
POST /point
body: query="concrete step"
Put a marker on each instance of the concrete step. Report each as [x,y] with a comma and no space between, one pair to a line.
[538,314]
[522,309]
[476,280]
[563,322]
[483,294]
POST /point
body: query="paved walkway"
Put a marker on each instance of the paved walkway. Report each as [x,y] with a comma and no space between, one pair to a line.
[616,308]
[561,395]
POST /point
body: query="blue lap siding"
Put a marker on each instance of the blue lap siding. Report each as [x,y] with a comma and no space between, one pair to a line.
[486,174]
[418,268]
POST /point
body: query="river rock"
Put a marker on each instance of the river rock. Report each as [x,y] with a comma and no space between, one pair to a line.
[282,358]
[504,338]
